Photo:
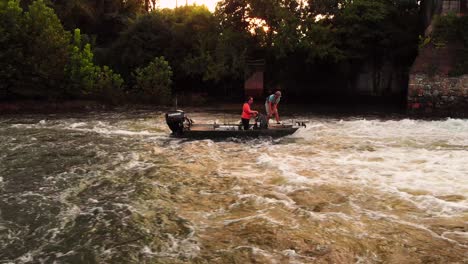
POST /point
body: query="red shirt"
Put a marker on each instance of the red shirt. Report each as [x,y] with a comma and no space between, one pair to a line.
[246,113]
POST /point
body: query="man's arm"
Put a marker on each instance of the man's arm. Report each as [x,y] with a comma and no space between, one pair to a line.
[250,111]
[274,108]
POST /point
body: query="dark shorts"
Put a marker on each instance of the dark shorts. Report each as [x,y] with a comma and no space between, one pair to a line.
[245,123]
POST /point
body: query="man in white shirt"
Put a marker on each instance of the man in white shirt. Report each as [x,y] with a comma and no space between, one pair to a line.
[271,105]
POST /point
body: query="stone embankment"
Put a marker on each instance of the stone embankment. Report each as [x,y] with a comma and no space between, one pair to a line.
[438,95]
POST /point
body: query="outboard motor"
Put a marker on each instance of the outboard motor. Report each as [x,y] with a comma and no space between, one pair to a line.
[261,122]
[175,121]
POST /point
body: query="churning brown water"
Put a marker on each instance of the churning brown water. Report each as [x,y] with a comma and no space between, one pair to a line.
[115,188]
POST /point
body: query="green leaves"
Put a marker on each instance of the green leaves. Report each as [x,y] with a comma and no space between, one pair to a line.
[207,52]
[187,38]
[35,50]
[453,29]
[447,28]
[86,78]
[81,70]
[11,37]
[290,27]
[103,19]
[154,81]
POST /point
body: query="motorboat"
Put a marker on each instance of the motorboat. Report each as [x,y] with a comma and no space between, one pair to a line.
[184,127]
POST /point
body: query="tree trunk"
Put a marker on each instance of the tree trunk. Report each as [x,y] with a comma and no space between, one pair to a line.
[428,9]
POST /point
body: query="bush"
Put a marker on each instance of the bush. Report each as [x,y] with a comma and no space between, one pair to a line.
[109,86]
[87,79]
[80,69]
[34,50]
[46,50]
[11,53]
[445,29]
[154,81]
[451,28]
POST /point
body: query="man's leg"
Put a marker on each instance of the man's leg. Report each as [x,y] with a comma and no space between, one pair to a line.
[245,123]
[277,116]
[268,114]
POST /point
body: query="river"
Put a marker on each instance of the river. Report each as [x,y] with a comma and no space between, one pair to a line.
[115,188]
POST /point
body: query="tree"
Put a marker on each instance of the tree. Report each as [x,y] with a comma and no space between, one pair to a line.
[194,40]
[148,37]
[233,14]
[104,19]
[280,27]
[86,78]
[318,36]
[154,81]
[378,32]
[449,30]
[186,37]
[11,40]
[80,70]
[109,85]
[324,8]
[45,53]
[276,31]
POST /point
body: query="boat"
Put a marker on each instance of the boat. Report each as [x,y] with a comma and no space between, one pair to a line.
[184,127]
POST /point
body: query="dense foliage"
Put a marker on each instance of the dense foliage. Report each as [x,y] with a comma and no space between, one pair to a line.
[35,50]
[86,78]
[154,81]
[453,29]
[317,46]
[308,46]
[41,61]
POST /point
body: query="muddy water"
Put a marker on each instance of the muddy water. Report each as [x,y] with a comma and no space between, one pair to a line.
[115,188]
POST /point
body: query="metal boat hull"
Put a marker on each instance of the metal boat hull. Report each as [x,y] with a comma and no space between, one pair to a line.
[200,132]
[184,127]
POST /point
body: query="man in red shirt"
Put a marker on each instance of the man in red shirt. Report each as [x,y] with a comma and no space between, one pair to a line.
[247,113]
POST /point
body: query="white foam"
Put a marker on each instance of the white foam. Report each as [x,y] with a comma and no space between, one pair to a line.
[91,200]
[79,124]
[396,157]
[186,248]
[112,131]
[28,257]
[460,234]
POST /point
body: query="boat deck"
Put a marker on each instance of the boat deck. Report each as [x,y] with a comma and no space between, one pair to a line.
[212,131]
[231,127]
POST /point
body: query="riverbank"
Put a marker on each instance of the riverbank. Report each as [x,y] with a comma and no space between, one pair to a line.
[381,110]
[41,106]
[48,107]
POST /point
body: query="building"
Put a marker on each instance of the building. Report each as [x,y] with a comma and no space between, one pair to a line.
[254,78]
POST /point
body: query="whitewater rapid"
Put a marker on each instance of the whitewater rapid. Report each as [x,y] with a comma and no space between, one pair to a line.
[115,187]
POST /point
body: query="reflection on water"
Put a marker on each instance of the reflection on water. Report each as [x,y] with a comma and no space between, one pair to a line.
[115,188]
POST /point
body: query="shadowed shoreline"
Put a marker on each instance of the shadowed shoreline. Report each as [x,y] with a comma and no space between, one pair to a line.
[333,110]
